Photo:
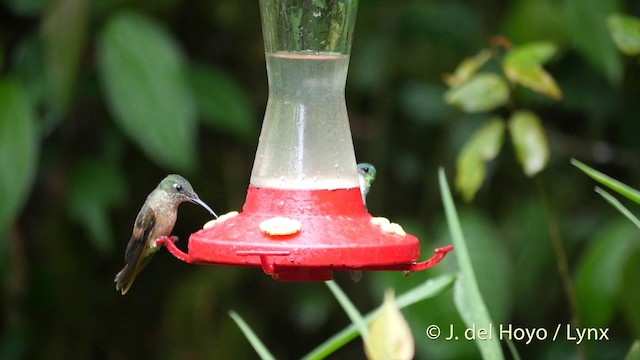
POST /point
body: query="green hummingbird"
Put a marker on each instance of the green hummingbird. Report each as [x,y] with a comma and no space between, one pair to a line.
[155,220]
[366,176]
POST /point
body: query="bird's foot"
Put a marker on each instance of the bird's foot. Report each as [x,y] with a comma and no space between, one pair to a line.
[163,240]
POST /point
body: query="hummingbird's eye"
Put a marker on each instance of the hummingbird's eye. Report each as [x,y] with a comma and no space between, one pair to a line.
[365,169]
[178,187]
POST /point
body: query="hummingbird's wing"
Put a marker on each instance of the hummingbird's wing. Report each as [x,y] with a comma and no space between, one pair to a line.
[134,256]
[144,225]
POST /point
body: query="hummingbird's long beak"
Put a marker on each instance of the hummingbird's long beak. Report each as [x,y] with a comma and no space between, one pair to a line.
[204,205]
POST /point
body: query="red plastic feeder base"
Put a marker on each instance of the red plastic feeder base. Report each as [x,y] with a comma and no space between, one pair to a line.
[335,233]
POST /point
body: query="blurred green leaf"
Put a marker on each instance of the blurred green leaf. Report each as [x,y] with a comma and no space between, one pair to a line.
[390,335]
[223,104]
[422,103]
[530,248]
[531,54]
[530,141]
[634,351]
[523,65]
[625,32]
[613,184]
[483,146]
[535,20]
[428,289]
[630,291]
[64,28]
[143,74]
[467,68]
[28,7]
[257,344]
[28,63]
[96,188]
[491,260]
[621,208]
[494,271]
[599,272]
[587,24]
[482,92]
[367,70]
[18,150]
[467,295]
[14,343]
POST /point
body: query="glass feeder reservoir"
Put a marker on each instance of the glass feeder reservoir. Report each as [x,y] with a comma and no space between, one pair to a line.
[303,217]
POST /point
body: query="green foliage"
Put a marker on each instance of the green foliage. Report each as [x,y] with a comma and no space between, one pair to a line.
[615,185]
[259,347]
[587,24]
[430,288]
[222,104]
[479,93]
[618,205]
[19,143]
[529,141]
[96,187]
[474,91]
[634,352]
[64,28]
[350,309]
[600,273]
[625,32]
[144,77]
[426,290]
[535,20]
[523,65]
[483,146]
[467,295]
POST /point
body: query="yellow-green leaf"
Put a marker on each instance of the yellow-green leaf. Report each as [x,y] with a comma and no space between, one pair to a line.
[467,68]
[389,333]
[483,146]
[530,142]
[482,92]
[523,65]
[144,77]
[18,150]
[625,32]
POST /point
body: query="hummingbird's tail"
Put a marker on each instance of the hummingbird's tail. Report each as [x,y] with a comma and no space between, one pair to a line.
[124,279]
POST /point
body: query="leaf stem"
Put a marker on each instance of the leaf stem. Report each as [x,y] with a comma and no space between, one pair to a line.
[561,259]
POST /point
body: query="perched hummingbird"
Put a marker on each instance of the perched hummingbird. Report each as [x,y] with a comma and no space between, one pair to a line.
[366,176]
[155,220]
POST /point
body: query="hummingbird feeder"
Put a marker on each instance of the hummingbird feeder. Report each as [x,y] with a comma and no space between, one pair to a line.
[304,216]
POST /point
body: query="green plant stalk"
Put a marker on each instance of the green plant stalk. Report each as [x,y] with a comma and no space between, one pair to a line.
[613,184]
[561,259]
[618,205]
[467,296]
[348,307]
[258,346]
[428,289]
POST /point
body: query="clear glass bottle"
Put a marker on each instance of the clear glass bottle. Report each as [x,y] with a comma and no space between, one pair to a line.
[305,141]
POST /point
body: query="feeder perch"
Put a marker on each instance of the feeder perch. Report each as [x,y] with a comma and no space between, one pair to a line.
[303,217]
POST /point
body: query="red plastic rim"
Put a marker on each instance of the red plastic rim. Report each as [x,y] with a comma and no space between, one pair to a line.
[336,233]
